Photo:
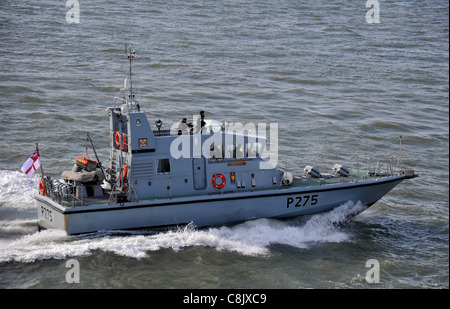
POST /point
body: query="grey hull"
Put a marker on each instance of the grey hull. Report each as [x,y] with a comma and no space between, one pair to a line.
[210,210]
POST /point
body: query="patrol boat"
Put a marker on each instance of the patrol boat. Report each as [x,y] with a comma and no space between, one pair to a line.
[204,175]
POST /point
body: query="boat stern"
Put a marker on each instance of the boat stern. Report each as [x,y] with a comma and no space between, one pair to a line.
[49,214]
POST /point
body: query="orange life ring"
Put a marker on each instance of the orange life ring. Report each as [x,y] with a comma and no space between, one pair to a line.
[224,181]
[117,140]
[42,187]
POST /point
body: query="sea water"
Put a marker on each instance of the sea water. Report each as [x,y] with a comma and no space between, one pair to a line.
[341,84]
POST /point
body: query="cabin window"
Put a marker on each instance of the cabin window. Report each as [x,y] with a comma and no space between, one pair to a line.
[253,150]
[163,166]
[235,151]
[216,152]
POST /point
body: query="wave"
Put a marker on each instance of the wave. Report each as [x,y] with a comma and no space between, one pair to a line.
[17,190]
[251,238]
[17,227]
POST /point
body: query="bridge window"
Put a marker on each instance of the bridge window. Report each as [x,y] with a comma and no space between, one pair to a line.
[235,151]
[216,152]
[253,150]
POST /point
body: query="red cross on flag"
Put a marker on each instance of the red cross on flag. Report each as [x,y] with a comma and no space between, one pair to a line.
[32,164]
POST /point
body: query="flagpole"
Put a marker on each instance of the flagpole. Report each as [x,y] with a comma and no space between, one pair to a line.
[42,170]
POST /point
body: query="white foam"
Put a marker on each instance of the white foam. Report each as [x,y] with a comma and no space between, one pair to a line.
[17,227]
[249,238]
[17,190]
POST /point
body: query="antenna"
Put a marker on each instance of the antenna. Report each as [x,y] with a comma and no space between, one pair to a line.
[401,160]
[131,54]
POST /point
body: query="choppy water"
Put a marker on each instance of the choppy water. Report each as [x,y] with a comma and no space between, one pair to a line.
[336,85]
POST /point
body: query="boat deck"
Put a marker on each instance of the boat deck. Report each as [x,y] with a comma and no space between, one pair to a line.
[298,182]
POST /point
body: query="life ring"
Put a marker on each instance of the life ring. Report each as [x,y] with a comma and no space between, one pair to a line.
[117,140]
[224,181]
[42,187]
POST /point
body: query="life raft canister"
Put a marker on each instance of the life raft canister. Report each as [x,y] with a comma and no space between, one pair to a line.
[86,163]
[42,187]
[221,185]
[117,140]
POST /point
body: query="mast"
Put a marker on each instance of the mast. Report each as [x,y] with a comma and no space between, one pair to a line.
[131,54]
[401,159]
[42,170]
[95,152]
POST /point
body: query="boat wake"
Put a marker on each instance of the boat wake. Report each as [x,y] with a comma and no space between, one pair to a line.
[17,190]
[251,238]
[20,240]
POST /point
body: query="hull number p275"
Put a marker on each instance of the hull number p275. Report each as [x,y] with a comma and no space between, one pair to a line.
[46,213]
[302,200]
